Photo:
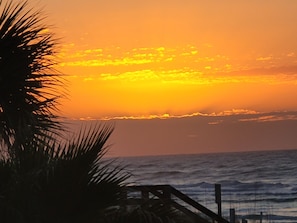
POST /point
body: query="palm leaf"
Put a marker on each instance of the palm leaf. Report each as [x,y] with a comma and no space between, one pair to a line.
[62,182]
[28,82]
[81,183]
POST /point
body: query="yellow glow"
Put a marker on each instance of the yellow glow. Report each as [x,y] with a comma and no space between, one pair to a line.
[148,59]
[167,87]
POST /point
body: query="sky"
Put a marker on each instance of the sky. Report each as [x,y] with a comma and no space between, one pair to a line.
[180,76]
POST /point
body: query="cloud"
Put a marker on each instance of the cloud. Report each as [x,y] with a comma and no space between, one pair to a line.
[292,54]
[264,58]
[88,79]
[273,117]
[233,116]
[215,122]
[189,76]
[149,117]
[187,57]
[236,112]
[119,57]
[240,115]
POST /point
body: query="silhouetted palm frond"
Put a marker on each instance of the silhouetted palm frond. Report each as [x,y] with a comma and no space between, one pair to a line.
[72,183]
[27,78]
[81,184]
[137,215]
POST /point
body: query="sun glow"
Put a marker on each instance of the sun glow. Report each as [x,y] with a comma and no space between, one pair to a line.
[155,81]
[146,58]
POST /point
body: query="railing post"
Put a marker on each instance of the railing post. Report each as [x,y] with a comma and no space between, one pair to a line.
[144,195]
[167,194]
[218,198]
[232,215]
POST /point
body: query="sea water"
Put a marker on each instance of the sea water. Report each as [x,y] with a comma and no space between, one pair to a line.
[251,182]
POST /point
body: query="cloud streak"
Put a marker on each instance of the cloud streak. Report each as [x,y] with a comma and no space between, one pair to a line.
[235,115]
[189,60]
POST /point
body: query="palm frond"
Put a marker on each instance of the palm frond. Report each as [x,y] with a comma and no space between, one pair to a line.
[67,182]
[28,81]
[135,216]
[80,182]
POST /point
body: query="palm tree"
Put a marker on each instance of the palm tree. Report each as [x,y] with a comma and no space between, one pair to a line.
[28,82]
[43,179]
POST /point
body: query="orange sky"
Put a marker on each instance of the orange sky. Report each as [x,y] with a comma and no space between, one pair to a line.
[168,58]
[176,57]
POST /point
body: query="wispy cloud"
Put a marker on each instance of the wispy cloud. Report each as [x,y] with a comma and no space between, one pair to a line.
[264,58]
[238,115]
[235,112]
[270,117]
[168,57]
[153,116]
[187,64]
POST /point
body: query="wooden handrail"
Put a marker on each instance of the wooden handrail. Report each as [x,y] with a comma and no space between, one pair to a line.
[168,191]
[198,206]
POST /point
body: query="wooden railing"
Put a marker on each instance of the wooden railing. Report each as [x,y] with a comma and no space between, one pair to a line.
[168,195]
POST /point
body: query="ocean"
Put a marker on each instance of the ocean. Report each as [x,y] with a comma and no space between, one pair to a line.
[251,182]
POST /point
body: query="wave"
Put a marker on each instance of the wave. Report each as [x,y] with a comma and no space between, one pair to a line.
[168,173]
[263,200]
[247,187]
[265,178]
[269,217]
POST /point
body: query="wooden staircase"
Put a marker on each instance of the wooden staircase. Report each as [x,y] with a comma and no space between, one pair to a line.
[168,195]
